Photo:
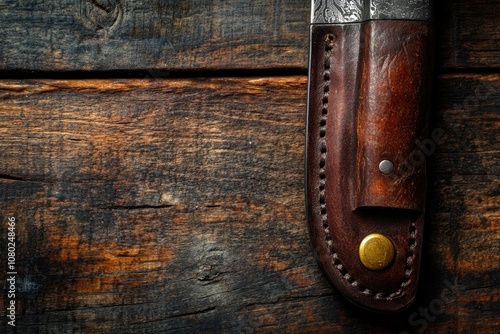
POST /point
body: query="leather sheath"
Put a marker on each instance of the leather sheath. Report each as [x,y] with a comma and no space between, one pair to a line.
[368,101]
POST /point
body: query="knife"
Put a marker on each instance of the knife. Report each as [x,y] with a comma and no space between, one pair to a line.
[370,73]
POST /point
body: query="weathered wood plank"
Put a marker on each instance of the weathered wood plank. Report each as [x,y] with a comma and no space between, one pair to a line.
[147,205]
[468,33]
[73,35]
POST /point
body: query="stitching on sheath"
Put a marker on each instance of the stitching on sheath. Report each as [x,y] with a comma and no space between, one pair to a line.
[329,42]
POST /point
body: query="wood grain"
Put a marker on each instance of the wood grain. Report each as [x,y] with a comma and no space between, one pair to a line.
[154,205]
[469,34]
[98,35]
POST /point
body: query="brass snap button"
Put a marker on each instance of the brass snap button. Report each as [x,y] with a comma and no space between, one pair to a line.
[376,251]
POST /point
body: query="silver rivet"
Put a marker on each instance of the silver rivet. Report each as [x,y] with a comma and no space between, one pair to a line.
[386,167]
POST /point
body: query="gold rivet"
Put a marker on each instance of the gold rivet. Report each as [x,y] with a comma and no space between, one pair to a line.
[376,252]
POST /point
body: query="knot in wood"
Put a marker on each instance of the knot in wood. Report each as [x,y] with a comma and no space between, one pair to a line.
[101,14]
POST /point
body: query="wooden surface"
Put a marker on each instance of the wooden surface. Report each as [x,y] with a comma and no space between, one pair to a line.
[177,204]
[105,35]
[153,204]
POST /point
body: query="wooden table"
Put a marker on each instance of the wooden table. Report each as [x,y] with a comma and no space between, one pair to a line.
[152,152]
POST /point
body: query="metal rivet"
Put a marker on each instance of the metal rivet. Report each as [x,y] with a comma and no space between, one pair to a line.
[376,252]
[386,167]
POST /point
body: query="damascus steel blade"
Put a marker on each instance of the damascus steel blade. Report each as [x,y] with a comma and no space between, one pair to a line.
[347,11]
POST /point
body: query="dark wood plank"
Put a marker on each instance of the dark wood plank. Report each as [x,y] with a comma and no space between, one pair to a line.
[74,35]
[147,205]
[468,34]
[146,34]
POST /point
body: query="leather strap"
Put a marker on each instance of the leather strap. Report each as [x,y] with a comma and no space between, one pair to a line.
[368,101]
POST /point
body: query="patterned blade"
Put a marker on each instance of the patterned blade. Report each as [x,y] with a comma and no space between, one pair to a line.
[345,11]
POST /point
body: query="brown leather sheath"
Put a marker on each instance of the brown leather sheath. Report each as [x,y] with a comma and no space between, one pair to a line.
[369,94]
